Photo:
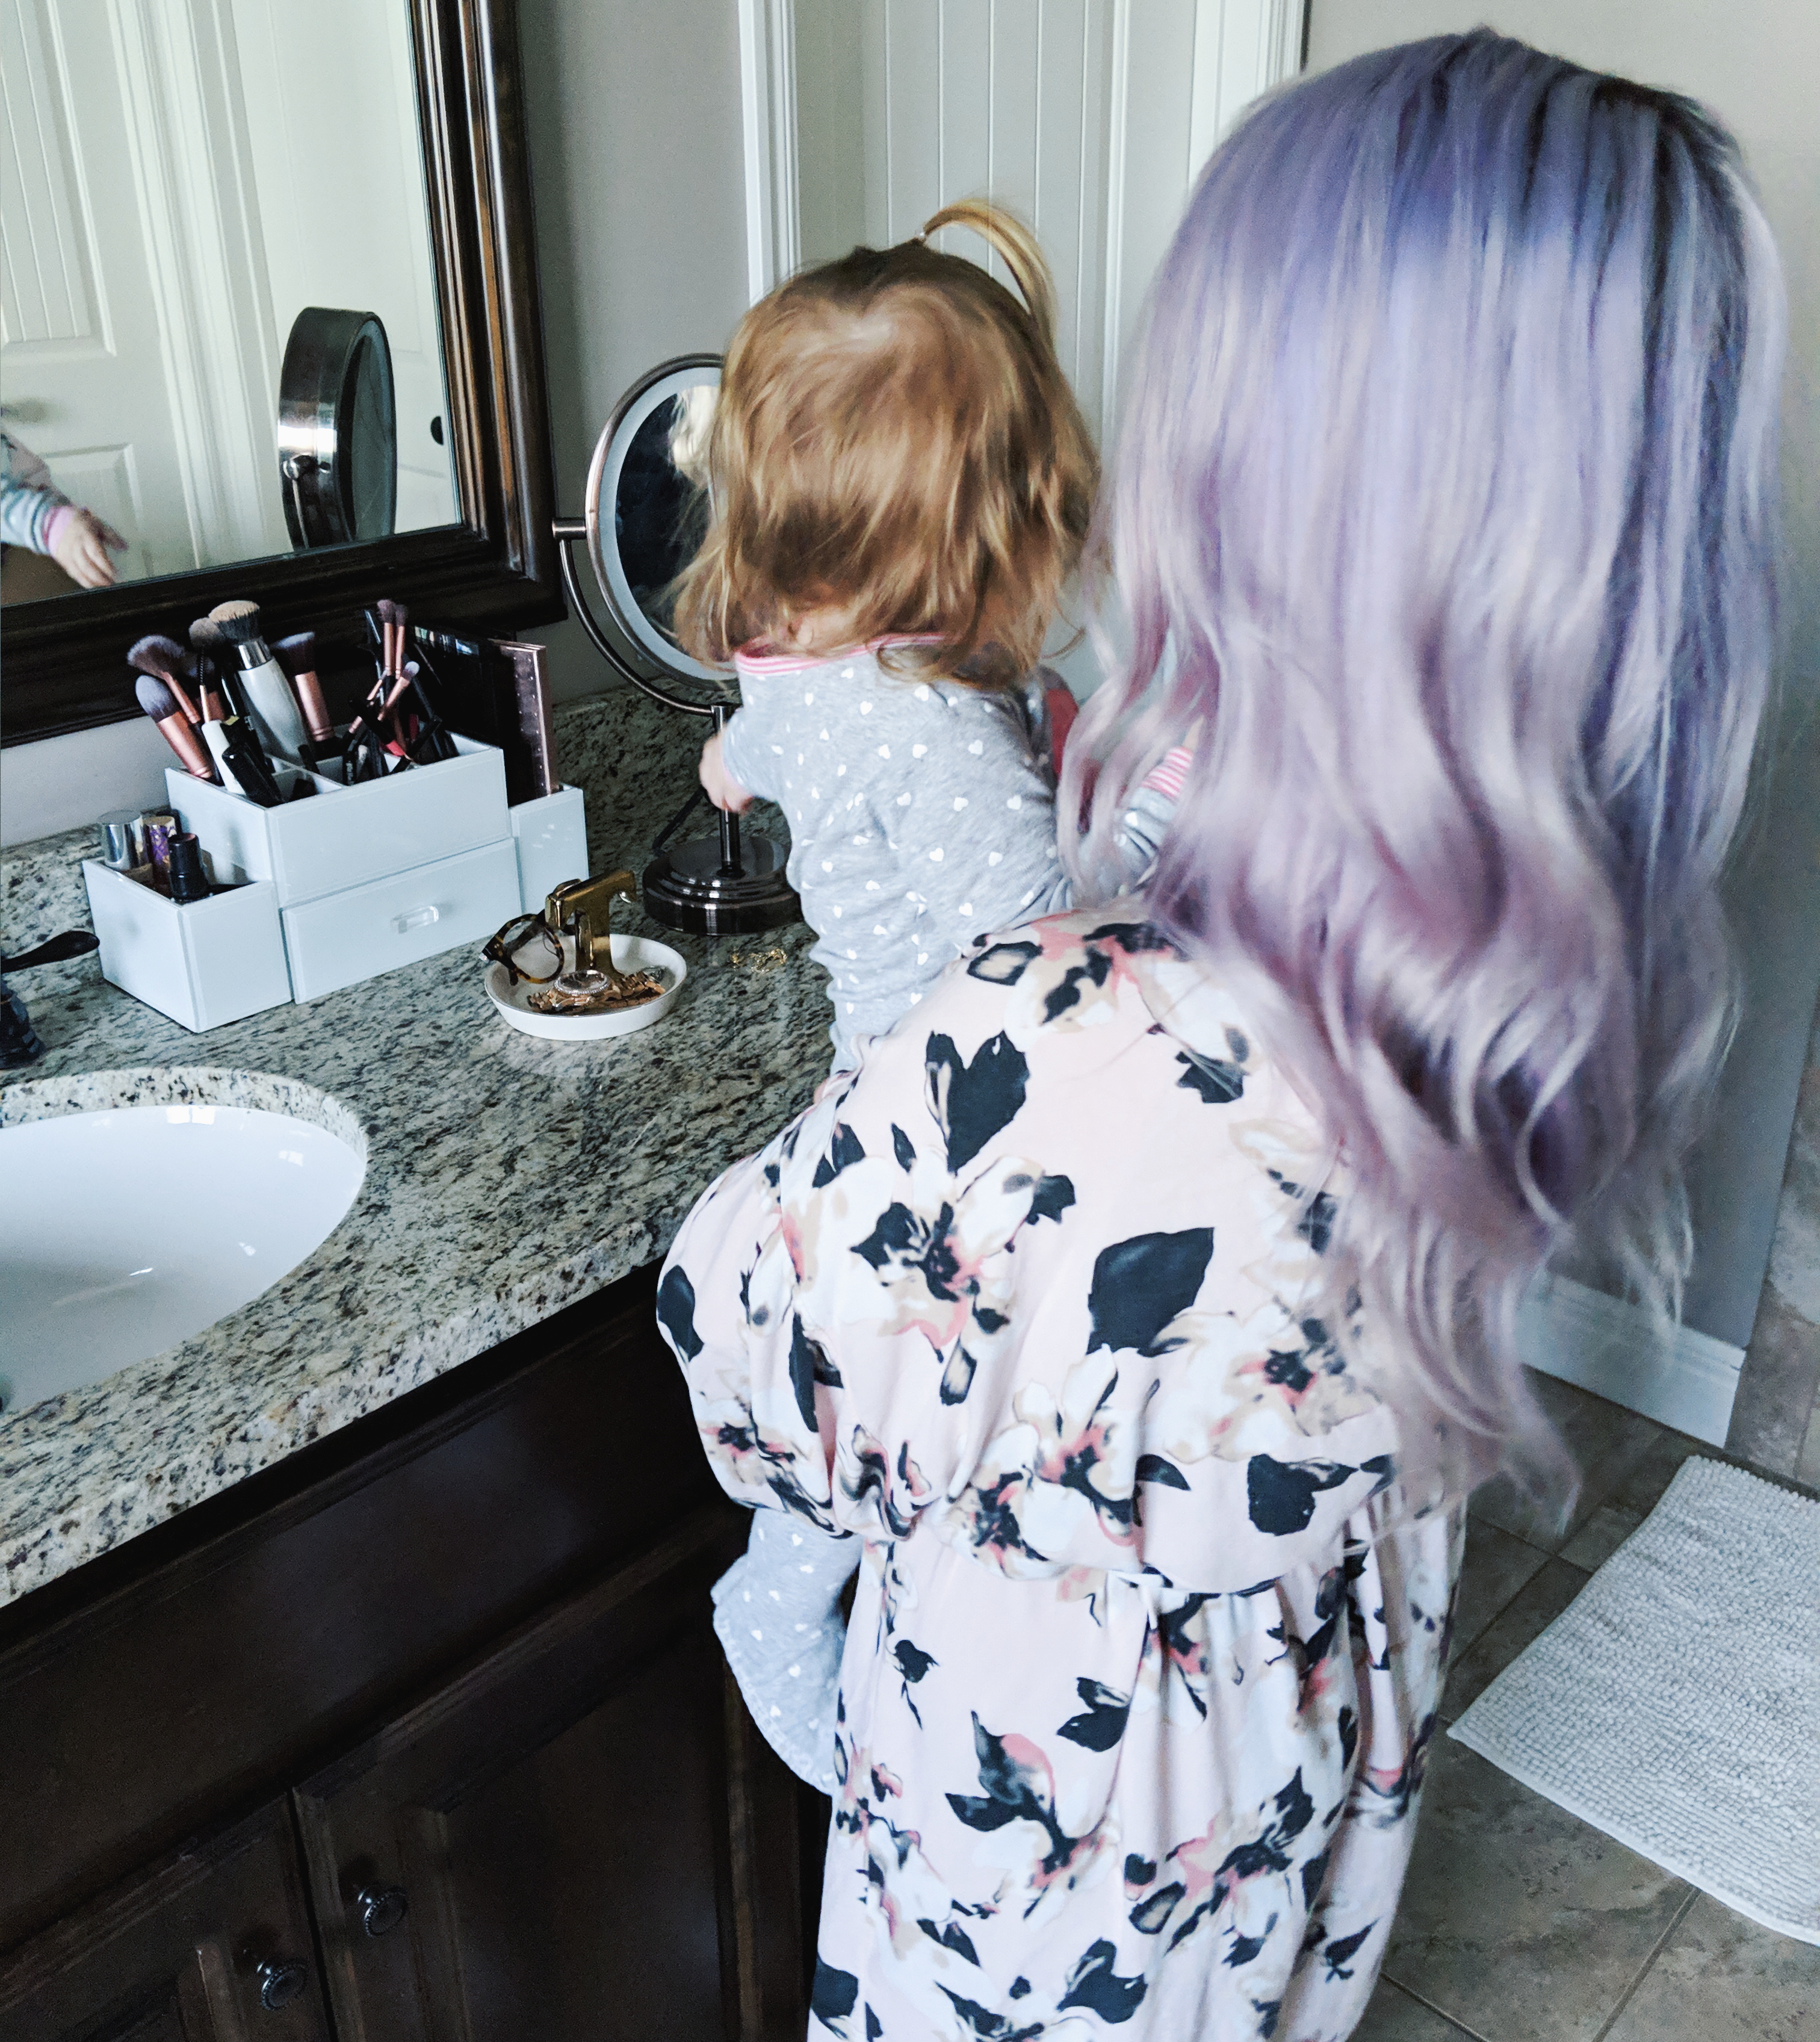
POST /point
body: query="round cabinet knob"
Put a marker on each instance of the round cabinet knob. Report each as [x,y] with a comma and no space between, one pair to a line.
[382,1908]
[281,1984]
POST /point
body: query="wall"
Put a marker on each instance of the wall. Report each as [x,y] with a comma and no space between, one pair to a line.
[1755,66]
[1776,1422]
[638,176]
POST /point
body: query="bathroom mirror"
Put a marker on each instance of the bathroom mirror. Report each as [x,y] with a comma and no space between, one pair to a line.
[645,513]
[289,347]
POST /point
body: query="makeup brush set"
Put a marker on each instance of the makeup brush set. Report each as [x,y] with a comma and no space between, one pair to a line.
[246,715]
[245,891]
[390,732]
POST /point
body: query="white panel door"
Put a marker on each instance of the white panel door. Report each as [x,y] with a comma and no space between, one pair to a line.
[1090,118]
[83,365]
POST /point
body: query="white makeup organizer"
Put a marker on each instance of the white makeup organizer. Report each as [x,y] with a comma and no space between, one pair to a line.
[341,886]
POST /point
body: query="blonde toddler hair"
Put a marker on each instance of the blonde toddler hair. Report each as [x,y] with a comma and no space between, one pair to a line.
[895,444]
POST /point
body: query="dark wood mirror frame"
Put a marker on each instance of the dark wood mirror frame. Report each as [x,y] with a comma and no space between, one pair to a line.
[65,658]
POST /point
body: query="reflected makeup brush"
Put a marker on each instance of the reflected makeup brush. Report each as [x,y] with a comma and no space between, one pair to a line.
[158,702]
[392,647]
[164,658]
[297,655]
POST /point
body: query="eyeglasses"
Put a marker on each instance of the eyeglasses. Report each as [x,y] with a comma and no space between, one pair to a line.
[503,949]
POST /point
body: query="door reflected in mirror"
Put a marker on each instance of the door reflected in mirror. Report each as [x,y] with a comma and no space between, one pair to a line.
[220,191]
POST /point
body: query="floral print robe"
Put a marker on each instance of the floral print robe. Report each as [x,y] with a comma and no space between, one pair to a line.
[1148,1643]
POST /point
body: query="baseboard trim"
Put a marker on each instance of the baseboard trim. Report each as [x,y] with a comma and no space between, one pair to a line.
[1675,1375]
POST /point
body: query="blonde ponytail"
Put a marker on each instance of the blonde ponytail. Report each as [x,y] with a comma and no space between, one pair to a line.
[1018,248]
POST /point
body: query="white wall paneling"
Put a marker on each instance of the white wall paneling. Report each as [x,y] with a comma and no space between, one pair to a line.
[1089,117]
[1674,1373]
[767,113]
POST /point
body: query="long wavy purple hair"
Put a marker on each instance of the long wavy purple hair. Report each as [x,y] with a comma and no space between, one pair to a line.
[1443,517]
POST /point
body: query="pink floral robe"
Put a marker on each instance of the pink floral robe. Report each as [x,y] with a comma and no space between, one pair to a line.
[1147,1646]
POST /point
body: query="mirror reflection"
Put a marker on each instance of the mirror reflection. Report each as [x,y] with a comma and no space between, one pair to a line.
[661,507]
[219,338]
[650,472]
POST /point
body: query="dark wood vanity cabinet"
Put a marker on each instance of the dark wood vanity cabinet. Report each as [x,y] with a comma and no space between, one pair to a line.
[422,1736]
[212,1945]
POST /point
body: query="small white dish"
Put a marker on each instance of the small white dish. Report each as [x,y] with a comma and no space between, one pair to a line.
[630,953]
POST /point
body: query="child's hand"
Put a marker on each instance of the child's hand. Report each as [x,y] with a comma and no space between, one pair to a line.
[80,549]
[723,790]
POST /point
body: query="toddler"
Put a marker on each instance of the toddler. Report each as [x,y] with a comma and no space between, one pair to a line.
[35,514]
[901,482]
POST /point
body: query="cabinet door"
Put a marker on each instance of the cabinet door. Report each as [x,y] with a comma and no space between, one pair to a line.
[213,1945]
[580,1840]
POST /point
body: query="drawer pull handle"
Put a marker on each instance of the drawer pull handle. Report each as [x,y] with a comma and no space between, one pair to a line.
[280,1983]
[382,1908]
[418,918]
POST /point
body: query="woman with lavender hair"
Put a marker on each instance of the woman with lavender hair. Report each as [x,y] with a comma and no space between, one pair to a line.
[1144,1301]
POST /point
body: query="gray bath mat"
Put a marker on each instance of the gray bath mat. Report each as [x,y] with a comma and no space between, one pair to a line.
[1676,1706]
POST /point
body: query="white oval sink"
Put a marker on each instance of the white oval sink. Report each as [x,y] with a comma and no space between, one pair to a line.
[124,1231]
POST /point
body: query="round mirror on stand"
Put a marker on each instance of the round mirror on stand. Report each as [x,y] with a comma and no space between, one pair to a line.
[337,429]
[646,514]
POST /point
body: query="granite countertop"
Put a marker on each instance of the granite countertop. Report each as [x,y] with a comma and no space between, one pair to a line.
[506,1177]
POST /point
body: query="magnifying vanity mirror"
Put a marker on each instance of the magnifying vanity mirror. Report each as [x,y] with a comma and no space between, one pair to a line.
[337,429]
[645,515]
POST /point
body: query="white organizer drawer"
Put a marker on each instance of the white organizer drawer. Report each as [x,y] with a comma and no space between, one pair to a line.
[552,838]
[204,963]
[366,929]
[348,835]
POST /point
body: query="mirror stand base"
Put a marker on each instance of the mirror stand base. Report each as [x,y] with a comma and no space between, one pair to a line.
[687,888]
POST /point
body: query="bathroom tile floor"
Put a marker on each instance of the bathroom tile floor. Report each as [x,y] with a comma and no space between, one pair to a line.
[1520,1923]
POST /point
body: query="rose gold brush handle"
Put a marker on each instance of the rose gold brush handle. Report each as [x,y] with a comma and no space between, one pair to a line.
[182,737]
[383,711]
[315,709]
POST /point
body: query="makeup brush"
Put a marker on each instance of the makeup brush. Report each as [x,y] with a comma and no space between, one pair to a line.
[210,650]
[375,710]
[158,702]
[164,658]
[272,707]
[388,634]
[297,655]
[207,695]
[246,757]
[212,692]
